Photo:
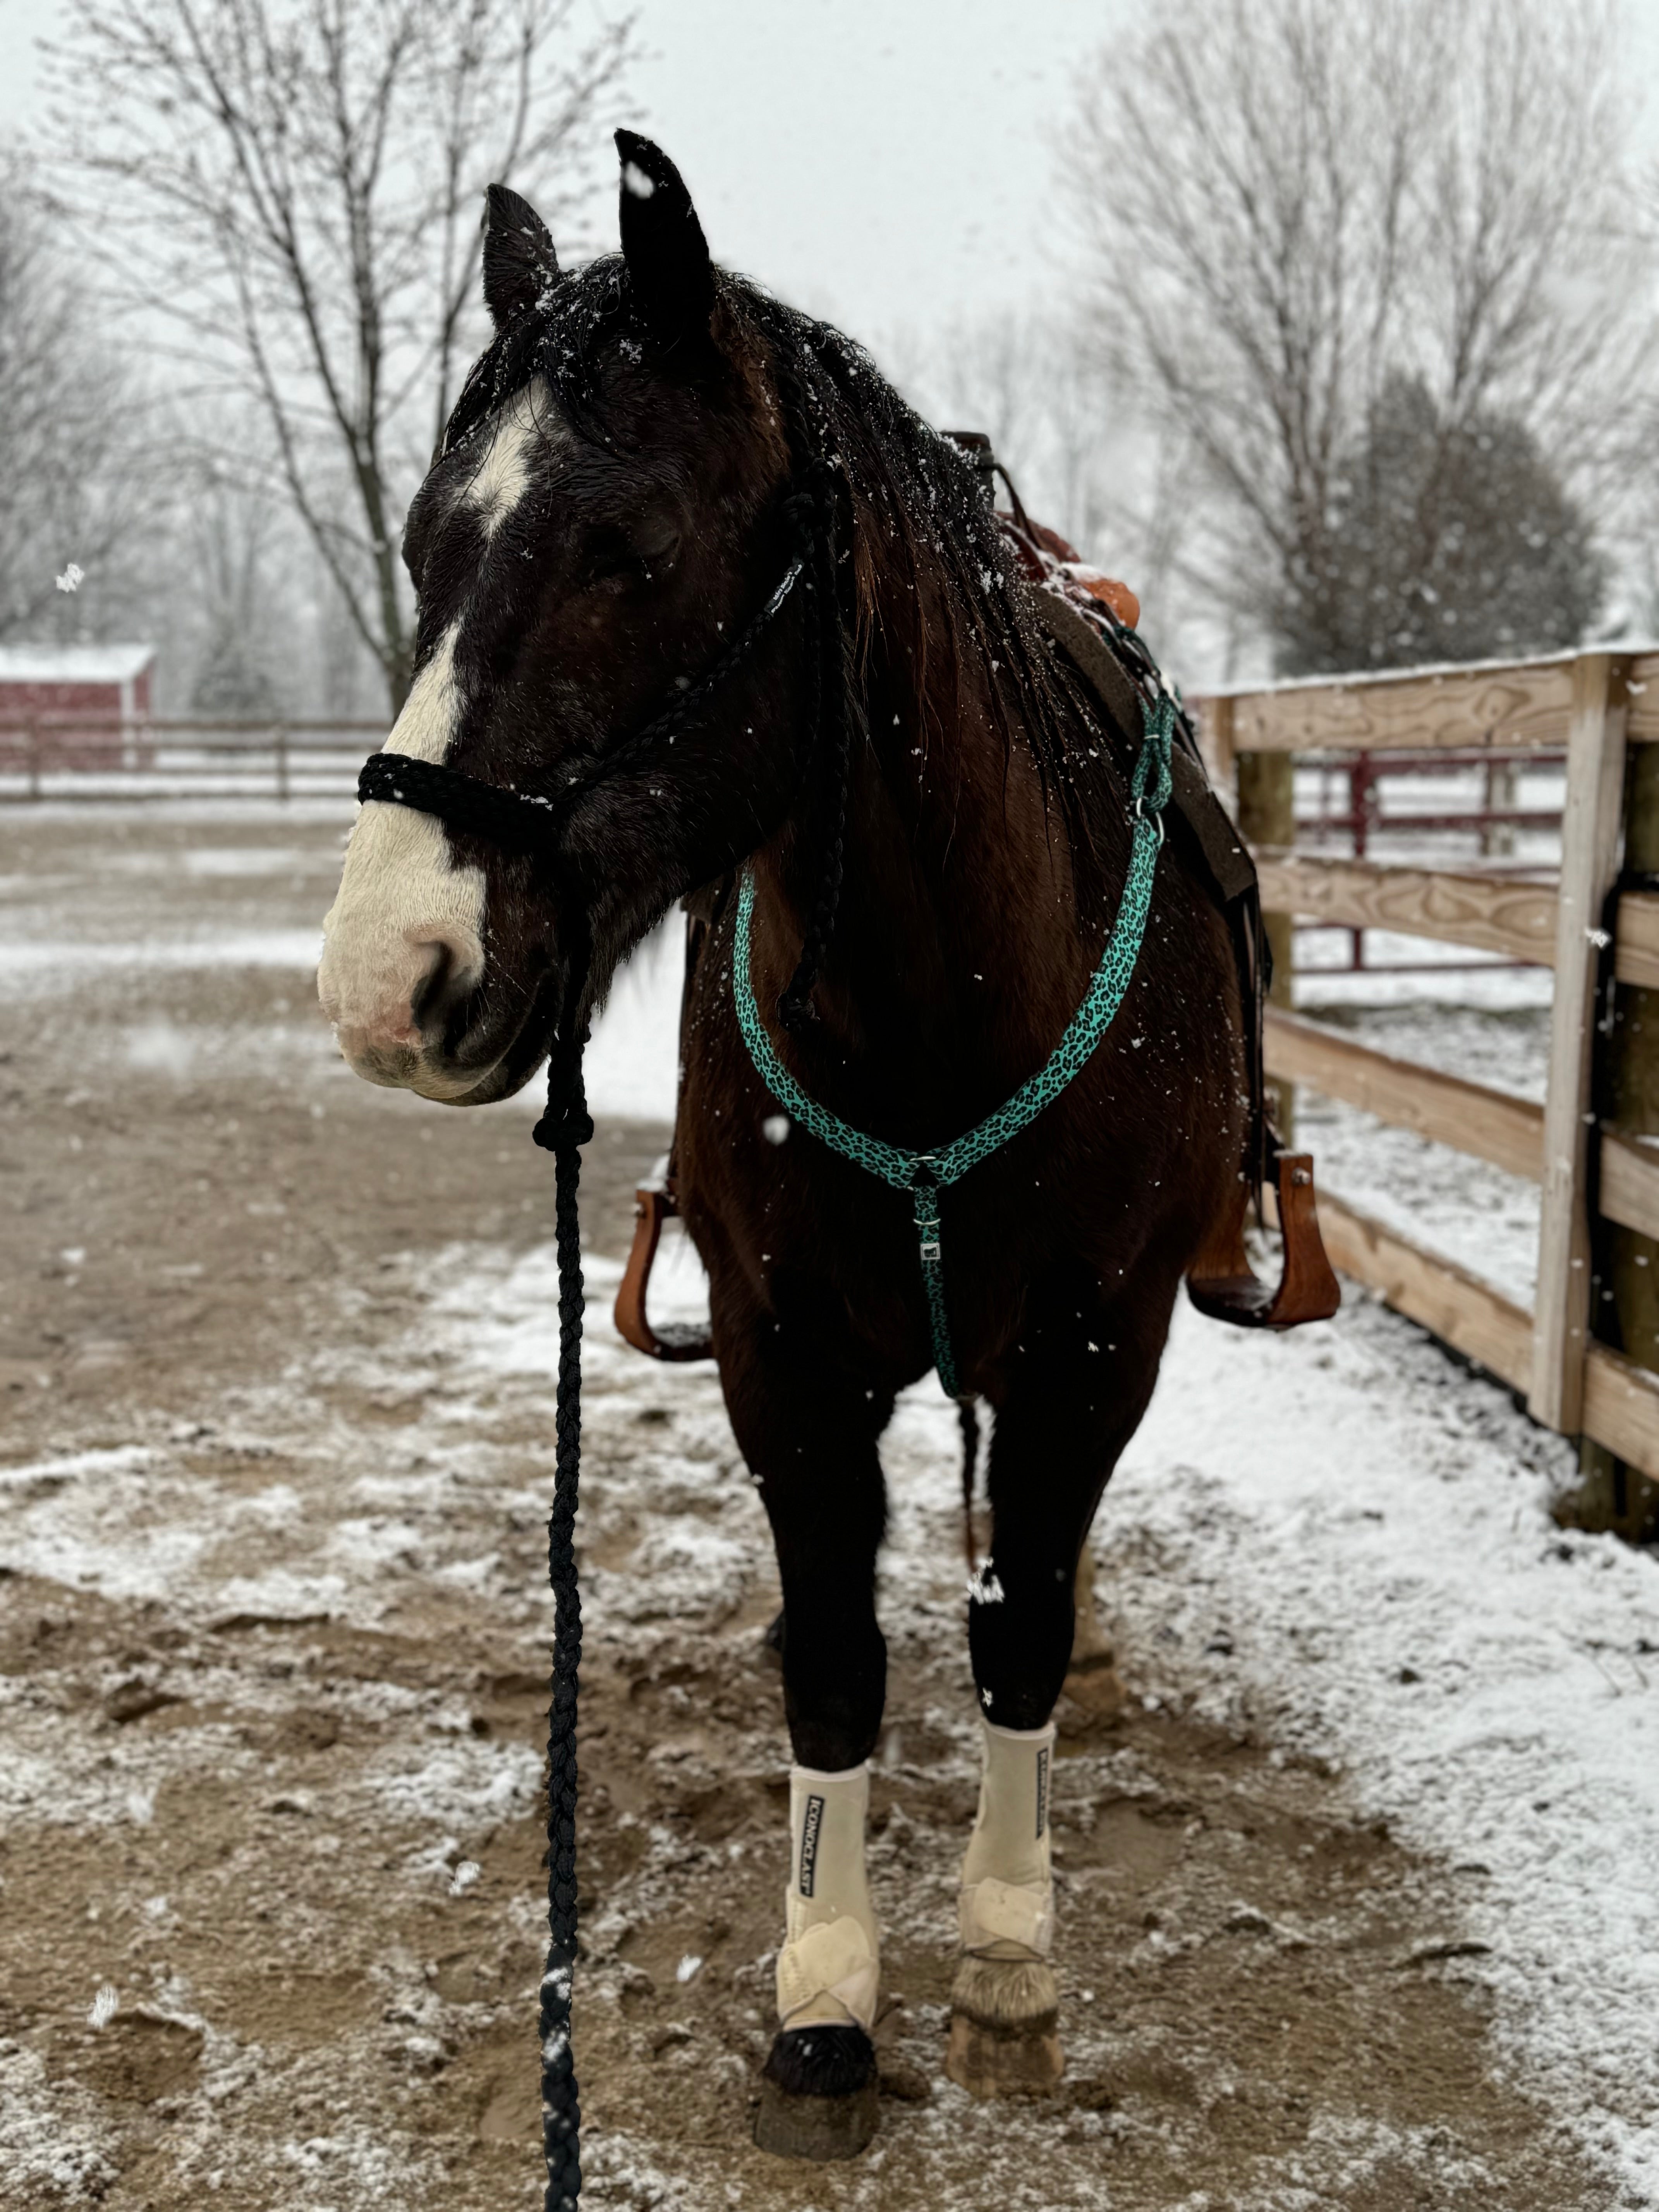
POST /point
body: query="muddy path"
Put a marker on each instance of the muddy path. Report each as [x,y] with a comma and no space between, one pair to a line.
[275,1362]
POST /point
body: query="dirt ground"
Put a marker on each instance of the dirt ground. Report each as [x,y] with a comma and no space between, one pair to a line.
[276,1353]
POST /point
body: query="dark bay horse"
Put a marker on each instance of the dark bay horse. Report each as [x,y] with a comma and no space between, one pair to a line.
[935,814]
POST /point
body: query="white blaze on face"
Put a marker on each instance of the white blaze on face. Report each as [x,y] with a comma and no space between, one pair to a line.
[403,906]
[503,476]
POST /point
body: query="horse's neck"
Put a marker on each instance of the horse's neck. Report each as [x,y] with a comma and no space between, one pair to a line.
[955,947]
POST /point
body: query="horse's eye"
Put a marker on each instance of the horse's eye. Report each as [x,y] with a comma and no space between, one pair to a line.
[616,555]
[607,553]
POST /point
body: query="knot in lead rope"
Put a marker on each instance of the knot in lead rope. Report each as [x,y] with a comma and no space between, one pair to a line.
[565,1124]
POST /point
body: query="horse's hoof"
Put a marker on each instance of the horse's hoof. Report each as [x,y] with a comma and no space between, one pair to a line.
[819,2095]
[1005,2037]
[1004,2062]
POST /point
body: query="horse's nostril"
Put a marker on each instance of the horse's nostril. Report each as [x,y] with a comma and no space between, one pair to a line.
[451,970]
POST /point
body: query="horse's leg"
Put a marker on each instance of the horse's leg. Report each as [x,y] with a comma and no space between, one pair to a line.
[1080,1386]
[809,1435]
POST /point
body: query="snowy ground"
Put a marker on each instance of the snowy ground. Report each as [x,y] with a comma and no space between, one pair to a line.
[1360,1891]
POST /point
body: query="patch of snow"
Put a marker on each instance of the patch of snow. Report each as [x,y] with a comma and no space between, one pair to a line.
[67,1466]
[29,967]
[1374,1524]
[632,1065]
[465,1783]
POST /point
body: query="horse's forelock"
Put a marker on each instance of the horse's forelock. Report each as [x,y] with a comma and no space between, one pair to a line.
[557,340]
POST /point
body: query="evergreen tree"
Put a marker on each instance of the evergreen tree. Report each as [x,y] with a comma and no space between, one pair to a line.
[1447,540]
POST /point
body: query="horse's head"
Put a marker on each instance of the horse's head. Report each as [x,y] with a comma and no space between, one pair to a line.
[605,516]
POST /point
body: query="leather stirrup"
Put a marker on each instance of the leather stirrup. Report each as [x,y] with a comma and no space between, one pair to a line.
[1222,1283]
[673,1340]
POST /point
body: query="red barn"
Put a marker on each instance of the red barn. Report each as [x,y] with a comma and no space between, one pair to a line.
[76,706]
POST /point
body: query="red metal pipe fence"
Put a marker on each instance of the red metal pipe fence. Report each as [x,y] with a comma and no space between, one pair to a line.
[1492,821]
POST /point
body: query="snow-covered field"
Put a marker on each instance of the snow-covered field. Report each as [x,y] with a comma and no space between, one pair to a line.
[1331,1554]
[1370,1528]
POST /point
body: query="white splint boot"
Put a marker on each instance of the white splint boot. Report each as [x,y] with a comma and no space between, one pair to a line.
[820,2090]
[1003,2035]
[830,1967]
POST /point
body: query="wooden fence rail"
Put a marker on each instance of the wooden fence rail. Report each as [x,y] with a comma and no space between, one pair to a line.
[1595,705]
[1491,1125]
[1491,705]
[68,757]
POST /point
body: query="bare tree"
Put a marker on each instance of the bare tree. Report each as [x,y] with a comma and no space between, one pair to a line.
[1025,381]
[231,539]
[77,493]
[294,184]
[1289,204]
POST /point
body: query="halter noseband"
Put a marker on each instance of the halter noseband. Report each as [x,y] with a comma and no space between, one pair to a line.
[533,822]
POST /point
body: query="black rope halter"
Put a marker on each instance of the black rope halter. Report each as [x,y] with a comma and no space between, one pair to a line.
[535,825]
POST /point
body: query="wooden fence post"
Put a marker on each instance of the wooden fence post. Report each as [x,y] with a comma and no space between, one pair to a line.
[1215,742]
[282,760]
[1612,1496]
[1590,831]
[1266,816]
[34,759]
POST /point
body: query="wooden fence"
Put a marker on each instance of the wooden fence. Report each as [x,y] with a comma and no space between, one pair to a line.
[1595,706]
[83,758]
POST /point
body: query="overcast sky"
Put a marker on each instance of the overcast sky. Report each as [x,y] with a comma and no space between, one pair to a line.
[873,160]
[890,164]
[884,163]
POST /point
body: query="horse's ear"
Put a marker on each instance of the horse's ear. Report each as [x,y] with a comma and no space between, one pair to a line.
[662,241]
[521,267]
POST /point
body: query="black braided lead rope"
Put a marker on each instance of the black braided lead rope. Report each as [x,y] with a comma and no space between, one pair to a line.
[563,1130]
[526,823]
